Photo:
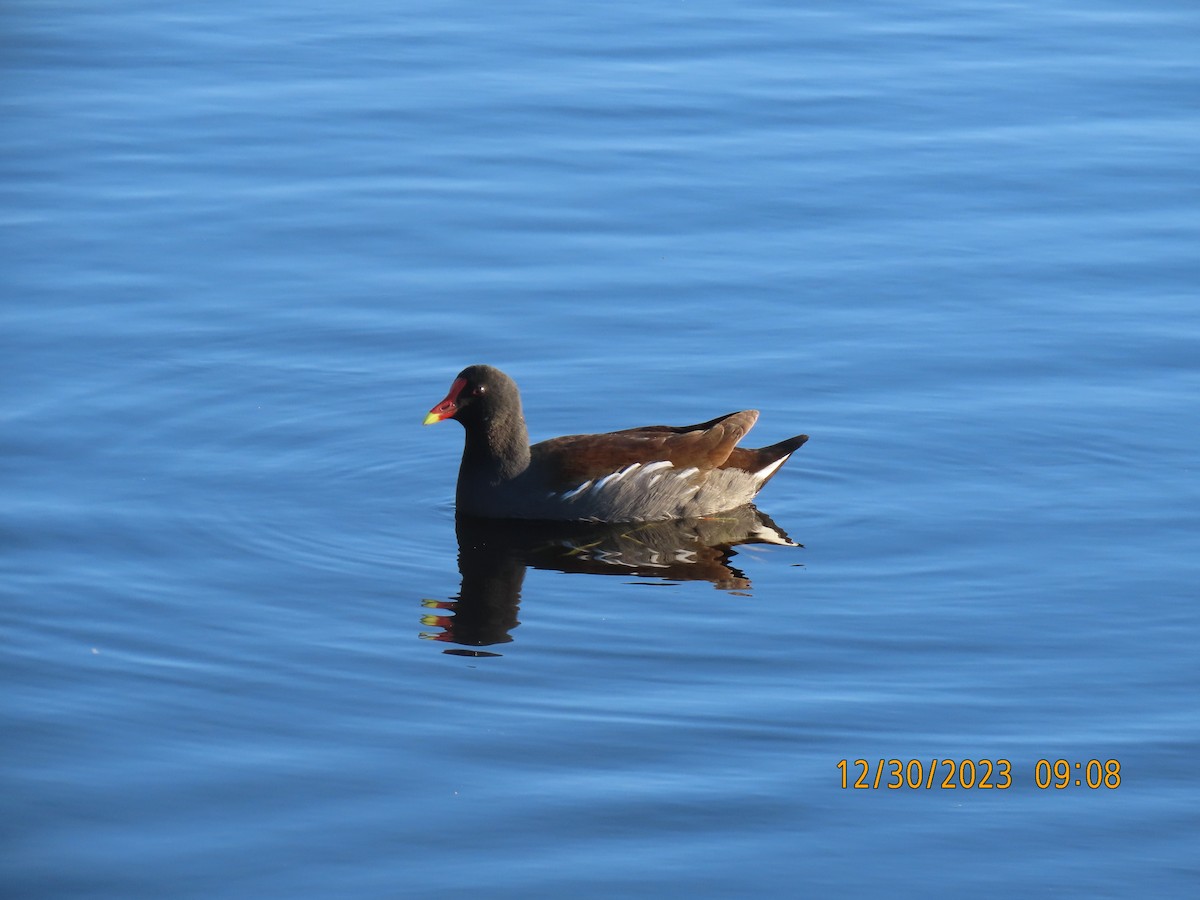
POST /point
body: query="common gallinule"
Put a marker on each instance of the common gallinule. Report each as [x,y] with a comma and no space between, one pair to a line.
[636,475]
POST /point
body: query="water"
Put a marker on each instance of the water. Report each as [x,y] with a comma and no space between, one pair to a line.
[247,249]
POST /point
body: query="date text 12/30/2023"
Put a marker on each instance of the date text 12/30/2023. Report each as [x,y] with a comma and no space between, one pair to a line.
[975,774]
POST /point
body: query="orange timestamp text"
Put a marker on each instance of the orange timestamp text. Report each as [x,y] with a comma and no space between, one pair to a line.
[974,774]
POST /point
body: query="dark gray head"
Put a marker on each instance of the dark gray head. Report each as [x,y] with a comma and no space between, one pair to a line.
[479,395]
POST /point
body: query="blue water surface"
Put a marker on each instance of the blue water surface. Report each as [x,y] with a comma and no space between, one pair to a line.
[247,247]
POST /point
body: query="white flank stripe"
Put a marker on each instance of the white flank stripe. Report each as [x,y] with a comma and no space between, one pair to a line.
[606,479]
[567,495]
[616,476]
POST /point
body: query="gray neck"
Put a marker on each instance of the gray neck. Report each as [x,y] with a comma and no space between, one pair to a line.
[497,449]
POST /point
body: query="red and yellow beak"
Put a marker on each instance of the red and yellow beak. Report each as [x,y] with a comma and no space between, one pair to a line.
[448,407]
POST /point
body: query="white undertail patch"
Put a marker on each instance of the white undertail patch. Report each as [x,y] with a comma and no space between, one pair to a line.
[769,535]
[767,471]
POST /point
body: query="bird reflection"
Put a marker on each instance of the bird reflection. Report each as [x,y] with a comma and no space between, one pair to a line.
[494,554]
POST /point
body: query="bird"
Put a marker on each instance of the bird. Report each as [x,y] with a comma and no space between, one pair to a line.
[647,474]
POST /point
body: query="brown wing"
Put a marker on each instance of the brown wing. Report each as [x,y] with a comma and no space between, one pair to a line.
[576,458]
[681,429]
